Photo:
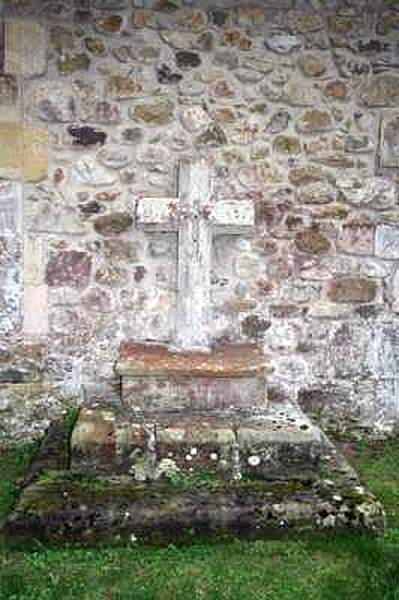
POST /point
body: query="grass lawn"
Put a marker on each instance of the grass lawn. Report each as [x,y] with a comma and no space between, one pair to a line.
[353,568]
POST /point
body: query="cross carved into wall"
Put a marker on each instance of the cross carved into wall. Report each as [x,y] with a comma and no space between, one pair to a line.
[196,217]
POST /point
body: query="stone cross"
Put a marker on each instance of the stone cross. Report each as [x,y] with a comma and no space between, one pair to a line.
[195,216]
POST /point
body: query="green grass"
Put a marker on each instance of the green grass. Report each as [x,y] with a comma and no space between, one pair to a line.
[353,568]
[12,467]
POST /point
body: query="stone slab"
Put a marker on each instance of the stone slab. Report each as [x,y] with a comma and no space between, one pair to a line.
[232,361]
[158,394]
[68,507]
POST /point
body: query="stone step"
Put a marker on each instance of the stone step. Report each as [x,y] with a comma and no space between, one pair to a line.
[230,361]
[156,378]
[65,506]
[277,442]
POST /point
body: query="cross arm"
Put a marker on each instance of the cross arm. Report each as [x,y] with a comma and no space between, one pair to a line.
[233,216]
[157,214]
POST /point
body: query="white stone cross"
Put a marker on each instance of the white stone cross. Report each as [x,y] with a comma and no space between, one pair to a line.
[194,215]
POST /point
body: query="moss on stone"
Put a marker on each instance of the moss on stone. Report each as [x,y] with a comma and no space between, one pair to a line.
[57,490]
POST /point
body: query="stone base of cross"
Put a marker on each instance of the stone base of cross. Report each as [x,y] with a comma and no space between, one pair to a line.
[196,217]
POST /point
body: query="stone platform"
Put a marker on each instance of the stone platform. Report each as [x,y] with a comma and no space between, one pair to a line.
[191,448]
[67,506]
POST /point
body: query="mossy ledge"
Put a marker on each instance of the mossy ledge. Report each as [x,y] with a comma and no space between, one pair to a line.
[62,506]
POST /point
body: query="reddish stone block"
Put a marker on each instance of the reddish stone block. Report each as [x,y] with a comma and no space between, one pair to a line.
[197,443]
[152,394]
[70,268]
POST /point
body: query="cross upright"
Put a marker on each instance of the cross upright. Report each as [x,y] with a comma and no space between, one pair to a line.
[195,216]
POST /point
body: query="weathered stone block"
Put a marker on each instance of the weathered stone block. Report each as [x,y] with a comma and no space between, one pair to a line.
[35,310]
[287,144]
[25,51]
[380,90]
[111,24]
[11,150]
[87,136]
[314,121]
[121,87]
[51,100]
[336,90]
[70,63]
[27,409]
[158,112]
[33,260]
[106,440]
[197,443]
[387,242]
[282,43]
[10,103]
[312,241]
[113,224]
[379,193]
[70,268]
[312,65]
[352,289]
[23,151]
[389,151]
[357,238]
[280,444]
[157,379]
[150,394]
[124,509]
[10,208]
[88,171]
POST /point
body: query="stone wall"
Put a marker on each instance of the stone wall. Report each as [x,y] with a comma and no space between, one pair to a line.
[296,106]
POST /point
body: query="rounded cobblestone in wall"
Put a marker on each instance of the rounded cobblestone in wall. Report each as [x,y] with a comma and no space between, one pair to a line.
[113,224]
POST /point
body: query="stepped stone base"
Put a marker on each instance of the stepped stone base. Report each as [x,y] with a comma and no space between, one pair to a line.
[68,506]
[191,448]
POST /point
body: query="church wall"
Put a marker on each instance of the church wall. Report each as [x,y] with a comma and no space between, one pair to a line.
[296,107]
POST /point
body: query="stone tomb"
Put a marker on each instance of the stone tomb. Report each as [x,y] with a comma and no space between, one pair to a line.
[192,444]
[192,404]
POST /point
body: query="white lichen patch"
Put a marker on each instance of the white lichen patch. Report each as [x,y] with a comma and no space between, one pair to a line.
[254,460]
